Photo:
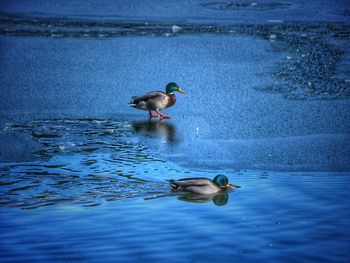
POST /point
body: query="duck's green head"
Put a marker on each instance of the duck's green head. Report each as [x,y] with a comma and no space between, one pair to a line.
[172,87]
[222,181]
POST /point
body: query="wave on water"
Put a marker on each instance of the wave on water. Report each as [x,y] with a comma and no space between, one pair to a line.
[87,162]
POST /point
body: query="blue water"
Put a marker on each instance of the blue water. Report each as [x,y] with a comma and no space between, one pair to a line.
[95,191]
[83,177]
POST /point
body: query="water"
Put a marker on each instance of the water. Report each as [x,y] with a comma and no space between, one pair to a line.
[95,190]
[83,177]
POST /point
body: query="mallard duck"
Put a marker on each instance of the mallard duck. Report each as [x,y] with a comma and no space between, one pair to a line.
[202,185]
[157,100]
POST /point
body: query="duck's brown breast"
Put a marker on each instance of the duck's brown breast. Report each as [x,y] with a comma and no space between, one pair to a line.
[171,101]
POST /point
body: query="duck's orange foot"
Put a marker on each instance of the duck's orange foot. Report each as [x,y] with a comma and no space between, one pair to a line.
[153,115]
[163,115]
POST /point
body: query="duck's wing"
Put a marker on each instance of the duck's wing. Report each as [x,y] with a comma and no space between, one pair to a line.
[190,182]
[147,97]
[156,100]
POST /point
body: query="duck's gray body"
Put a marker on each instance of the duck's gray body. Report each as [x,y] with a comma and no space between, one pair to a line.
[195,185]
[153,101]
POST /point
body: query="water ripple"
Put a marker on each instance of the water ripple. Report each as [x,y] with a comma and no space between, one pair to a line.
[88,162]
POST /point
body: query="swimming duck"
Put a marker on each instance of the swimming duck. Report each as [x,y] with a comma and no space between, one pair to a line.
[157,100]
[202,185]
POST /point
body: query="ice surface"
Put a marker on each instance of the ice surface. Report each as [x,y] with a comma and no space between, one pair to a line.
[237,61]
[194,10]
[71,77]
[311,70]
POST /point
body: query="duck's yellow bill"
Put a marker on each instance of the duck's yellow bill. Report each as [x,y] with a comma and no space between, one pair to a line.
[229,186]
[181,91]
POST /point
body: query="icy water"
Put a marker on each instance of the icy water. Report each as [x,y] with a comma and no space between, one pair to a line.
[83,177]
[96,191]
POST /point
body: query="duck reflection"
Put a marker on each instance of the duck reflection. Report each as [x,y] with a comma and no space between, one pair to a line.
[219,199]
[158,129]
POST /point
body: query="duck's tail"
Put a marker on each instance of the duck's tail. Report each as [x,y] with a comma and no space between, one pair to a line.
[173,184]
[133,102]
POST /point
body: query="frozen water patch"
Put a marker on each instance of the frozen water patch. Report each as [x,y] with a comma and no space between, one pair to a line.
[310,71]
[256,6]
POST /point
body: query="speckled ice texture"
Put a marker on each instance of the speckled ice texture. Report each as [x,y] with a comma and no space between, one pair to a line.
[267,85]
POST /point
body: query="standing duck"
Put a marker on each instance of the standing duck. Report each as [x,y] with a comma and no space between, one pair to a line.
[157,100]
[202,185]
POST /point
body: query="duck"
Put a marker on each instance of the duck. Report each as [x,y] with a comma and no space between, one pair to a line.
[203,186]
[157,100]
